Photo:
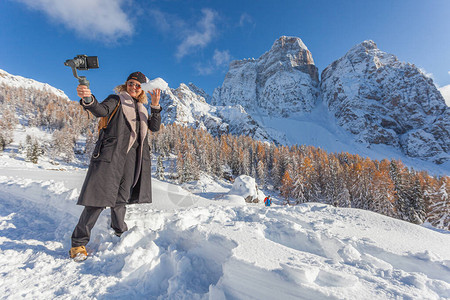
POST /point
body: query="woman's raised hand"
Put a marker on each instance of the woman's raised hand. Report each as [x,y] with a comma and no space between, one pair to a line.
[155,96]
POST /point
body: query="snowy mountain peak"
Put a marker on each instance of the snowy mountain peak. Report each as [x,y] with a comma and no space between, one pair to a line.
[283,81]
[199,91]
[369,52]
[367,44]
[293,50]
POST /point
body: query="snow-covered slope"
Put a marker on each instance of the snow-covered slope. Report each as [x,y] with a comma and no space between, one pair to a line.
[186,246]
[383,101]
[26,83]
[445,91]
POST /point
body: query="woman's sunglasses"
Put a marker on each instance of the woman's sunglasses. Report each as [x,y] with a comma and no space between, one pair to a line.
[131,84]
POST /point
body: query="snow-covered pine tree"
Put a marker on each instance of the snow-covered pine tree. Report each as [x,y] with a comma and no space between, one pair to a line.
[180,167]
[261,172]
[160,168]
[361,190]
[397,173]
[437,201]
[302,181]
[275,171]
[90,145]
[33,149]
[416,201]
[63,144]
[439,215]
[336,192]
[8,122]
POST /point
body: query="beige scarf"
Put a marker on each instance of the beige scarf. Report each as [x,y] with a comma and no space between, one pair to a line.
[129,111]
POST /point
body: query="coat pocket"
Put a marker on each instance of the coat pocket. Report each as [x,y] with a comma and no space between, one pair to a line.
[104,149]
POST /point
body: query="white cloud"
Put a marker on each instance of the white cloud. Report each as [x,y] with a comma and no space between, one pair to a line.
[205,69]
[190,36]
[91,19]
[445,91]
[245,20]
[167,23]
[220,59]
[201,36]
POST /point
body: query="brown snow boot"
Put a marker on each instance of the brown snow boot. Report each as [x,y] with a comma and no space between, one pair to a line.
[78,253]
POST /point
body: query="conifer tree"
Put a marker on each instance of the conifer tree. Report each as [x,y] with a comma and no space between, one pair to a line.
[63,144]
[261,171]
[160,168]
[33,149]
[416,207]
[180,167]
[90,145]
[8,122]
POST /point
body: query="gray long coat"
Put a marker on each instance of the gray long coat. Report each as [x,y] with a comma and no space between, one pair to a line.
[101,185]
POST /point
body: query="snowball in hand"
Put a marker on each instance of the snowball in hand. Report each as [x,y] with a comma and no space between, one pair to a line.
[157,83]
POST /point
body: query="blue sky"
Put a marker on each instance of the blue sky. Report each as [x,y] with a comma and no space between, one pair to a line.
[194,40]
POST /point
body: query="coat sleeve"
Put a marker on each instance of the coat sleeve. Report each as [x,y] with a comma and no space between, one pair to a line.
[154,122]
[102,109]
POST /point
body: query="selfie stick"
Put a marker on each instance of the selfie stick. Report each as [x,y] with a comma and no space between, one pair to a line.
[73,63]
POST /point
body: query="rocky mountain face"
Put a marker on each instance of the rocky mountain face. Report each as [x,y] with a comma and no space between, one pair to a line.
[383,101]
[283,81]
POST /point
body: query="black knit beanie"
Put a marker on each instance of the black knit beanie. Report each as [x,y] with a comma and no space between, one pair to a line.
[137,76]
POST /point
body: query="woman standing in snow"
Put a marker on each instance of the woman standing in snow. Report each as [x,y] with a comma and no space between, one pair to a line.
[119,172]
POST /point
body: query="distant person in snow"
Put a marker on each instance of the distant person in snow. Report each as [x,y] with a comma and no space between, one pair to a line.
[119,172]
[267,201]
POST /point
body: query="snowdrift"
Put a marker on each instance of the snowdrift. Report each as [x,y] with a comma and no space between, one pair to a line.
[244,190]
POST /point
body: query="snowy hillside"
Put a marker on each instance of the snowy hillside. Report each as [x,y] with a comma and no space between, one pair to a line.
[26,83]
[193,245]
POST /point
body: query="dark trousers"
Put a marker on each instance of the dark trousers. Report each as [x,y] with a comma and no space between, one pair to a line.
[82,233]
